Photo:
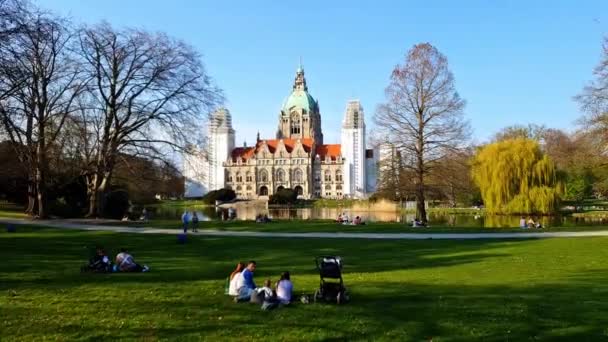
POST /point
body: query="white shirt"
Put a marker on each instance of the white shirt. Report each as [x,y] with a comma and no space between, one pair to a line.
[240,282]
[267,292]
[284,289]
[125,260]
[235,283]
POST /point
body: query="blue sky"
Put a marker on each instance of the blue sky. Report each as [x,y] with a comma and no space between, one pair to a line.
[515,62]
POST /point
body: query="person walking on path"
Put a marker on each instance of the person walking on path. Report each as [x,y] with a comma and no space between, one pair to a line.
[185,220]
[194,222]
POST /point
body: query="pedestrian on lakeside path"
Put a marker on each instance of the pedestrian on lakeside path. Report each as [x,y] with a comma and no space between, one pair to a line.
[185,220]
[194,222]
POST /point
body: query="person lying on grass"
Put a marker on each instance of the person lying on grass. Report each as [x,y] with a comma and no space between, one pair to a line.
[126,263]
[100,263]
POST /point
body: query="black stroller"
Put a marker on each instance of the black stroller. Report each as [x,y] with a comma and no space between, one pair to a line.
[330,267]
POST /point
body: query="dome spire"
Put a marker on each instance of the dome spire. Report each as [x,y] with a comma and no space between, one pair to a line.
[300,81]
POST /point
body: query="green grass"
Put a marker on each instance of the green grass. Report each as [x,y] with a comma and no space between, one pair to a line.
[549,289]
[10,210]
[308,226]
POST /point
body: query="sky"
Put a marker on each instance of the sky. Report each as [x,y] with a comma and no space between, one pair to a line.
[514,62]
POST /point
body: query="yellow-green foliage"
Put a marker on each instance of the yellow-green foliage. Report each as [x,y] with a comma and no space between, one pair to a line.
[516,177]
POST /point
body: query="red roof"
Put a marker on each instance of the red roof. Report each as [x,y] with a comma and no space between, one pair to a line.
[331,150]
[243,152]
[248,152]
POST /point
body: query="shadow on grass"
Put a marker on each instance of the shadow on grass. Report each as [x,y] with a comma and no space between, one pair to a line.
[54,260]
[402,290]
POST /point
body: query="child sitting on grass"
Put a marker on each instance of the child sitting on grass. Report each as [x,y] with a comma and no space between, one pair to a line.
[270,297]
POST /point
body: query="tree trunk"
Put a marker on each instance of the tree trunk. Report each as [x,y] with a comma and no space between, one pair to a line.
[41,183]
[420,207]
[31,198]
[97,188]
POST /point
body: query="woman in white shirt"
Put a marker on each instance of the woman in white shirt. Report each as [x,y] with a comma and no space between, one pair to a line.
[284,289]
[236,279]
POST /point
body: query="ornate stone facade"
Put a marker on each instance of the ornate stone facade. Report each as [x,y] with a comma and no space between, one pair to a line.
[298,158]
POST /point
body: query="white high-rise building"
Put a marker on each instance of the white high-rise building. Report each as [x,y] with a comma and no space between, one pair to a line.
[353,150]
[203,169]
[221,143]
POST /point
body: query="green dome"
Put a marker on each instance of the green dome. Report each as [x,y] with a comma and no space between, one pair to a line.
[300,99]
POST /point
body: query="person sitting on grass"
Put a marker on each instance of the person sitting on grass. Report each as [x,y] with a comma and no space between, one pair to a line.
[358,221]
[284,289]
[235,279]
[531,223]
[100,263]
[126,263]
[246,285]
[522,222]
[538,225]
[267,296]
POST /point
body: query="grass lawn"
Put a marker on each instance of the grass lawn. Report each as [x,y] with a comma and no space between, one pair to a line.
[10,210]
[307,226]
[549,289]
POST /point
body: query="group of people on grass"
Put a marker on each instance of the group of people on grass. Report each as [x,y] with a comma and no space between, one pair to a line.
[124,262]
[344,219]
[530,223]
[190,218]
[242,287]
[262,218]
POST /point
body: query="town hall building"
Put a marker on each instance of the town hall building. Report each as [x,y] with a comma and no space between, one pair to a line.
[297,158]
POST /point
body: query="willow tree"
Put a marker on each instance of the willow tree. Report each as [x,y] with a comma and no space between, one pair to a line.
[516,177]
[423,116]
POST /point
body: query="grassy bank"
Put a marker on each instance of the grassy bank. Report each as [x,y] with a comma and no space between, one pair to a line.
[401,290]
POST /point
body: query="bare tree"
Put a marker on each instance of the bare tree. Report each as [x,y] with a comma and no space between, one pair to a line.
[423,115]
[594,100]
[148,93]
[43,80]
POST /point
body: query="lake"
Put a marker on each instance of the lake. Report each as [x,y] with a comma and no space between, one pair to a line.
[435,218]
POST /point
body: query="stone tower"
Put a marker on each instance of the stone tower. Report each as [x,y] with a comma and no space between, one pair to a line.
[353,150]
[220,145]
[300,116]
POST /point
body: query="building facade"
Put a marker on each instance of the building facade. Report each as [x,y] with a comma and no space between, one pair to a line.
[297,158]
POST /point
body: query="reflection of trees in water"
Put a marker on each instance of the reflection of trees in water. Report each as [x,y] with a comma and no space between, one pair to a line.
[435,219]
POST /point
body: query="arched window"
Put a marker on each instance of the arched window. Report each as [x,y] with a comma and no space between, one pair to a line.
[327,176]
[297,175]
[280,175]
[263,176]
[238,188]
[248,187]
[328,187]
[338,187]
[295,124]
[239,177]
[338,176]
[229,176]
[248,176]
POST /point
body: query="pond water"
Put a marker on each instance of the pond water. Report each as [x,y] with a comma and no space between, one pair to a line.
[435,219]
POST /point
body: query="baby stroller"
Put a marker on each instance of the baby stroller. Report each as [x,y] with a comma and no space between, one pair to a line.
[330,267]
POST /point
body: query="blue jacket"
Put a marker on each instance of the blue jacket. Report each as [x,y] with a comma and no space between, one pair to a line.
[248,278]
